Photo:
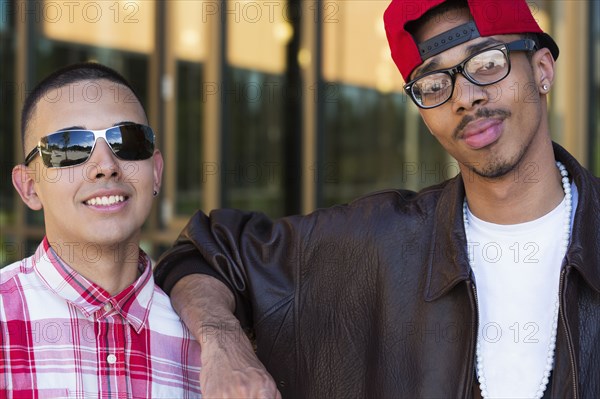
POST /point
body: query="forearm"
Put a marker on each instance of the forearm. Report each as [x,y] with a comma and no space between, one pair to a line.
[206,307]
[230,368]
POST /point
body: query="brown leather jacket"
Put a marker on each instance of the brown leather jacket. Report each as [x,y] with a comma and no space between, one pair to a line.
[376,298]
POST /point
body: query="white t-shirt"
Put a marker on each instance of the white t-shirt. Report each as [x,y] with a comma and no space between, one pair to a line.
[517,272]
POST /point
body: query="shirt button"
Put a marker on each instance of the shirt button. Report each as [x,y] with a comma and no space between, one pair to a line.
[111,359]
[107,306]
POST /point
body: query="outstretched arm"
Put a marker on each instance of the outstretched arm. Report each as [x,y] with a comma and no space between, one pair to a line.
[230,368]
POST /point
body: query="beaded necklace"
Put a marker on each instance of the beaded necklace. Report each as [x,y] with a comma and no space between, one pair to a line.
[552,344]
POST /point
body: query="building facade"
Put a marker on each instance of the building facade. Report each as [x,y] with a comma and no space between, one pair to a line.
[279,106]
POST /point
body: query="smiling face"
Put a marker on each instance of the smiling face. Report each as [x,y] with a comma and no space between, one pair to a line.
[105,200]
[489,129]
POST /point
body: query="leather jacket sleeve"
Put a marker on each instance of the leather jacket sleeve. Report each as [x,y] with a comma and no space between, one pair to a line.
[253,255]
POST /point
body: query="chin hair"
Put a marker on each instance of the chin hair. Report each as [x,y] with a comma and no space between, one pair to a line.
[495,170]
[499,168]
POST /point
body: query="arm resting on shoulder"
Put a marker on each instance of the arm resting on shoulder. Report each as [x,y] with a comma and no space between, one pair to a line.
[230,368]
[223,273]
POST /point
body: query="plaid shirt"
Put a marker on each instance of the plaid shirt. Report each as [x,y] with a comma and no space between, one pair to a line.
[62,336]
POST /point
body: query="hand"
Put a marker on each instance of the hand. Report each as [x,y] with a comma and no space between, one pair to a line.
[230,368]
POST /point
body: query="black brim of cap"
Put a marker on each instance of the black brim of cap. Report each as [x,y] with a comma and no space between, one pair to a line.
[547,41]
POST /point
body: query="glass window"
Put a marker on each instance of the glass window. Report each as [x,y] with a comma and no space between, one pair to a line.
[253,154]
[10,250]
[373,135]
[190,168]
[120,25]
[190,46]
[254,95]
[594,111]
[9,90]
[117,34]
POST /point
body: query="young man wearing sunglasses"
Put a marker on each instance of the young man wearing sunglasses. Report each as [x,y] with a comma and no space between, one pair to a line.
[82,317]
[487,285]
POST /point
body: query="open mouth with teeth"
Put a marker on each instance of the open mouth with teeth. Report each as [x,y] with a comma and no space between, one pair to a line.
[105,201]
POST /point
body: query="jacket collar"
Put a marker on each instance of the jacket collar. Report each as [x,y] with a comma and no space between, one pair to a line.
[584,250]
[448,259]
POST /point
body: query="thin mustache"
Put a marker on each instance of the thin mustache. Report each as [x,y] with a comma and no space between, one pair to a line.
[480,113]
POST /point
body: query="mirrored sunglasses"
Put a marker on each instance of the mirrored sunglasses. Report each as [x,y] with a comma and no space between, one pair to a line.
[65,148]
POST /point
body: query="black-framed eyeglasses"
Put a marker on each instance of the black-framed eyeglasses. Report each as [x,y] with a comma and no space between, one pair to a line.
[129,142]
[485,67]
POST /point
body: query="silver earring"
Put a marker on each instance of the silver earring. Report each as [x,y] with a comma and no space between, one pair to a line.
[545,87]
[155,193]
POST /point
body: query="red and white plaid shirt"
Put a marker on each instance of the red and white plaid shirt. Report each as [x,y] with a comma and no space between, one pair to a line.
[62,336]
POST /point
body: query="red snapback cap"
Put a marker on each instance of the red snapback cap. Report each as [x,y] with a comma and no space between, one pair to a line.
[490,17]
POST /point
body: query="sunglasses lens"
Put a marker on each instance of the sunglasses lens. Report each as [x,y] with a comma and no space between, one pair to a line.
[131,142]
[68,148]
[73,147]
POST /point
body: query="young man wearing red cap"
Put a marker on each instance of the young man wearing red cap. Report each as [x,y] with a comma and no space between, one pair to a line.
[487,285]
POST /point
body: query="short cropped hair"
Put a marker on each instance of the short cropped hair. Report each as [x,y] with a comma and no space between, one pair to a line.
[65,76]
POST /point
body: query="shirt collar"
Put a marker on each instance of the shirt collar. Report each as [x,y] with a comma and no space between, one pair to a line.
[133,303]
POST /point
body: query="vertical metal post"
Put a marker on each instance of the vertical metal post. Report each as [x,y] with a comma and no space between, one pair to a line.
[292,114]
[312,142]
[593,137]
[165,90]
[569,94]
[213,124]
[24,76]
[154,107]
